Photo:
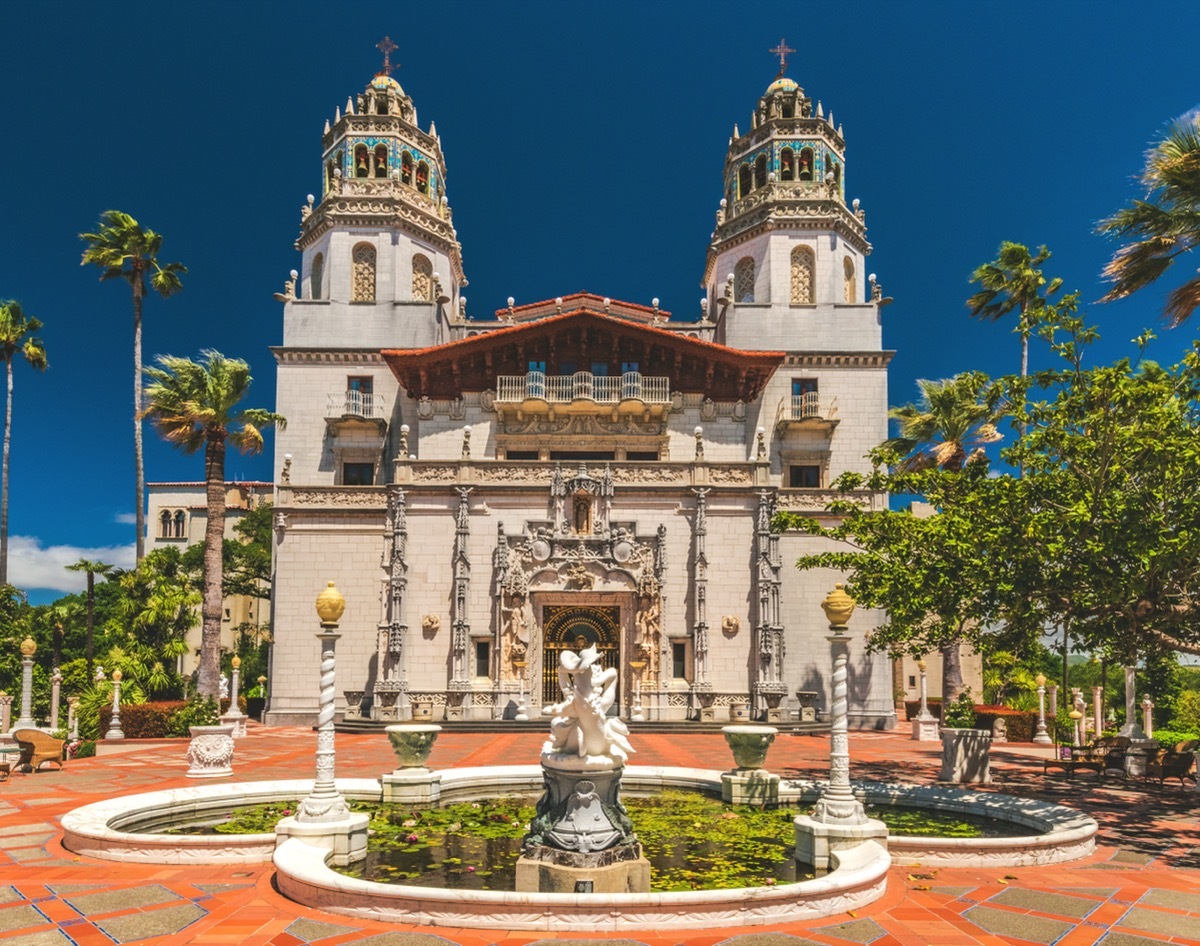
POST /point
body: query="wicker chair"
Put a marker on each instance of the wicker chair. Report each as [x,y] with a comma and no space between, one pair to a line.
[38,747]
[1176,762]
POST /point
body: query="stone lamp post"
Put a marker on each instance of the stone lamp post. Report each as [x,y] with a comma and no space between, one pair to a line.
[234,716]
[838,820]
[1076,724]
[1041,736]
[25,720]
[323,818]
[925,726]
[521,716]
[114,726]
[637,715]
[1148,715]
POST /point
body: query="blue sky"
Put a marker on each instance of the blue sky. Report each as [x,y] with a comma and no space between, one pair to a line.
[584,145]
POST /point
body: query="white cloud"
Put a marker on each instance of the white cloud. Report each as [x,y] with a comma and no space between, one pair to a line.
[32,565]
[126,518]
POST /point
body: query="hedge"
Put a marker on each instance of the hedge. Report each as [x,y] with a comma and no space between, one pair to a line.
[142,720]
[1022,725]
[912,708]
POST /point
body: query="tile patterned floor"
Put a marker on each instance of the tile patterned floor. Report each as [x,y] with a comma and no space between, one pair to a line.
[1141,887]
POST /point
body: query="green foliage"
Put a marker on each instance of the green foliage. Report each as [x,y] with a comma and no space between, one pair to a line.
[1187,711]
[960,714]
[97,698]
[198,711]
[86,749]
[1170,738]
[1020,726]
[1014,282]
[143,720]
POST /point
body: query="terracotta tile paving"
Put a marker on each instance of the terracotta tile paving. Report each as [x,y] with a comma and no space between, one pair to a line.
[1141,887]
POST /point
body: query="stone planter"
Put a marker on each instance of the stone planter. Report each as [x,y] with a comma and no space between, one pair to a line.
[965,755]
[739,712]
[749,744]
[412,743]
[354,700]
[210,753]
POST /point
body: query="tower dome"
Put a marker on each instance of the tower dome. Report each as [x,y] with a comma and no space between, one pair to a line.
[783,84]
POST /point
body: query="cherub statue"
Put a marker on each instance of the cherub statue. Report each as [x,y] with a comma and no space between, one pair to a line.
[581,726]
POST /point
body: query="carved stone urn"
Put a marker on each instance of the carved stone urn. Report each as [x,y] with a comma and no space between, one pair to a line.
[210,753]
[838,606]
[749,744]
[412,743]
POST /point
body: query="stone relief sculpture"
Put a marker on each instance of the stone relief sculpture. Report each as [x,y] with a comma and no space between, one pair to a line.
[582,734]
[649,632]
[431,623]
[515,641]
[730,624]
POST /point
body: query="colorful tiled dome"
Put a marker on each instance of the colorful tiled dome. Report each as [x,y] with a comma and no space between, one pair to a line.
[386,82]
[782,84]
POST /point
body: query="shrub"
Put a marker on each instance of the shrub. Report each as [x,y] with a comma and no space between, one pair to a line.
[961,713]
[1169,738]
[1187,711]
[198,711]
[912,708]
[143,720]
[87,749]
[1022,726]
[241,703]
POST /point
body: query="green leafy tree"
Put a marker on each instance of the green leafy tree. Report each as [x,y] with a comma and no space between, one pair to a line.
[952,421]
[1014,282]
[194,405]
[124,249]
[1165,225]
[92,568]
[17,339]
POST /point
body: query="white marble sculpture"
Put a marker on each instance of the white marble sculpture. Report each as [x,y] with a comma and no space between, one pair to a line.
[582,733]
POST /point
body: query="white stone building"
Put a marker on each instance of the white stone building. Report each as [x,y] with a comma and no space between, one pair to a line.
[487,492]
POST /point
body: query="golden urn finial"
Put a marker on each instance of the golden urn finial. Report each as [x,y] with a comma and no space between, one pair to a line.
[116,676]
[838,606]
[330,605]
[28,647]
[236,662]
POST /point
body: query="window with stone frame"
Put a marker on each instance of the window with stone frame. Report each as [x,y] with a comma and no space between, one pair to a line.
[362,283]
[422,278]
[803,275]
[804,476]
[850,283]
[743,280]
[358,474]
[317,277]
[164,524]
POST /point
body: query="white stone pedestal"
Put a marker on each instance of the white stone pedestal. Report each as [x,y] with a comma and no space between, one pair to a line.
[750,787]
[346,838]
[925,729]
[965,756]
[411,787]
[1135,757]
[817,840]
[237,724]
[210,753]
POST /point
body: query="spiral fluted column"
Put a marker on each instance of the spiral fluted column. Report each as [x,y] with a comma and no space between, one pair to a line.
[325,803]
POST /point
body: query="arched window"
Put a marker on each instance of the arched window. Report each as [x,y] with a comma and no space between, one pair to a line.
[381,161]
[743,180]
[806,164]
[361,167]
[423,177]
[329,175]
[179,523]
[743,280]
[381,105]
[422,279]
[318,274]
[803,267]
[164,525]
[837,176]
[760,171]
[787,165]
[789,110]
[362,282]
[848,281]
[406,168]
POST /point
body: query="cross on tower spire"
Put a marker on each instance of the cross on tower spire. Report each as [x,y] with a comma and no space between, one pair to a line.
[782,51]
[387,47]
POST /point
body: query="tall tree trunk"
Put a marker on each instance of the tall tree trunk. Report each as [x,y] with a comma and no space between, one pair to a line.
[952,681]
[4,476]
[209,682]
[91,627]
[139,473]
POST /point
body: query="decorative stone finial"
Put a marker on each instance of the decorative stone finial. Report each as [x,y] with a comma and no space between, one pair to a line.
[838,606]
[236,662]
[330,605]
[117,676]
[1041,679]
[28,647]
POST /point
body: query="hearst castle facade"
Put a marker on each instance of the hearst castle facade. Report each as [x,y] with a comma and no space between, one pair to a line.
[487,492]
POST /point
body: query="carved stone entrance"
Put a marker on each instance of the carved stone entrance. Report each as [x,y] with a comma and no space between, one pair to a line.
[573,627]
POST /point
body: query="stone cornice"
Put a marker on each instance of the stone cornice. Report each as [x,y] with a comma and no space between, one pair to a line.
[365,126]
[326,356]
[839,359]
[777,128]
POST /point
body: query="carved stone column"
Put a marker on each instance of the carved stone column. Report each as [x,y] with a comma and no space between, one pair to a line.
[391,691]
[28,649]
[6,702]
[460,628]
[768,687]
[700,578]
[55,690]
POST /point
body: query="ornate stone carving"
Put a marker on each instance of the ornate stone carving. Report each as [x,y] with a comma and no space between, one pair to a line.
[335,497]
[731,624]
[431,623]
[210,753]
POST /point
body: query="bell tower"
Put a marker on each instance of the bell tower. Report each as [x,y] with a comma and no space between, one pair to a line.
[786,265]
[382,265]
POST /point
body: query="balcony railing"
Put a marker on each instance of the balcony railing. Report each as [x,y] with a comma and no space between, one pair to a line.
[354,404]
[800,408]
[582,386]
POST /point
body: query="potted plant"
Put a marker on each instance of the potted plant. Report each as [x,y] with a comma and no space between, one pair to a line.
[964,748]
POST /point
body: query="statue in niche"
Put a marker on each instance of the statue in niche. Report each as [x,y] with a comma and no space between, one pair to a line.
[649,632]
[581,727]
[583,514]
[578,575]
[515,642]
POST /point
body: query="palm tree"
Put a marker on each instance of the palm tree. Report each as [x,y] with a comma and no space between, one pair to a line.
[16,338]
[93,569]
[123,249]
[1163,226]
[194,405]
[1013,281]
[950,424]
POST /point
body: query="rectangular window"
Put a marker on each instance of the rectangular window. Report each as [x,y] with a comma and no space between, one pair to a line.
[520,454]
[363,384]
[912,681]
[804,477]
[641,455]
[679,659]
[358,474]
[537,366]
[583,455]
[600,369]
[568,367]
[483,658]
[803,386]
